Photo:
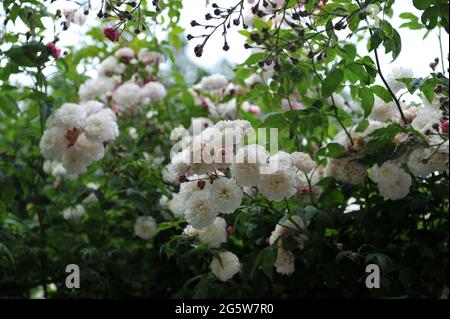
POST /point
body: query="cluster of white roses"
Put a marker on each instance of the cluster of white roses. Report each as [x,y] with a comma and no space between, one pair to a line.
[126,95]
[76,135]
[224,172]
[421,159]
[206,155]
[432,121]
[218,95]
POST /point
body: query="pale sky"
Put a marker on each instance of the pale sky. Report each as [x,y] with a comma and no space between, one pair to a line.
[417,52]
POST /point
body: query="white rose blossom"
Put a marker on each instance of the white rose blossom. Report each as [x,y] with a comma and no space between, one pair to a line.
[397,74]
[75,135]
[303,162]
[200,210]
[393,182]
[127,97]
[279,185]
[74,213]
[145,227]
[285,262]
[153,92]
[225,268]
[246,166]
[213,82]
[226,195]
[215,234]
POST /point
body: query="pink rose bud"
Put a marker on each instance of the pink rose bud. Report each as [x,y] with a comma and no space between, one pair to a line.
[201,184]
[54,51]
[444,127]
[111,33]
[306,190]
[230,230]
[183,179]
[255,110]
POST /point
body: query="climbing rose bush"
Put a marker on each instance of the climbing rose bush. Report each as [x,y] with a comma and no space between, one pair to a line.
[284,176]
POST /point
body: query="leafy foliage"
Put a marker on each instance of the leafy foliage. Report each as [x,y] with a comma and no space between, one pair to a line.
[406,238]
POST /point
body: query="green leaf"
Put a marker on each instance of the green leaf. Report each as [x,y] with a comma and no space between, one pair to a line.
[9,106]
[362,126]
[274,120]
[255,58]
[382,93]
[265,260]
[168,225]
[381,147]
[332,150]
[422,4]
[310,212]
[353,22]
[5,251]
[367,100]
[332,82]
[375,40]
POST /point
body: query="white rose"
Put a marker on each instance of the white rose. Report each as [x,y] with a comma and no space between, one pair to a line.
[153,91]
[102,126]
[125,53]
[346,170]
[215,234]
[279,184]
[303,162]
[246,166]
[53,143]
[226,195]
[285,263]
[200,210]
[127,96]
[71,116]
[213,82]
[74,213]
[225,268]
[397,74]
[145,227]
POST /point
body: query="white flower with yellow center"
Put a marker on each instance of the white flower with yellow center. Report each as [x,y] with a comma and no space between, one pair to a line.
[200,210]
[226,195]
[145,227]
[280,184]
